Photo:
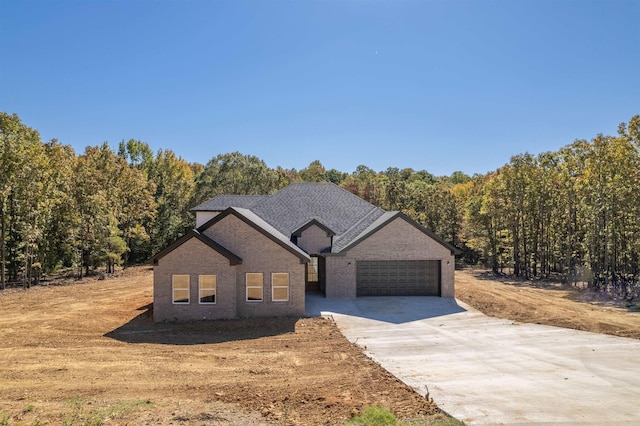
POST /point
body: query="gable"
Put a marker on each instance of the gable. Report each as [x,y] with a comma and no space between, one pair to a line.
[230,228]
[205,242]
[312,223]
[295,205]
[298,203]
[313,238]
[395,230]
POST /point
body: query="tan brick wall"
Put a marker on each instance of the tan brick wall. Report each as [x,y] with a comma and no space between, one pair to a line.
[341,277]
[313,240]
[193,258]
[398,240]
[260,254]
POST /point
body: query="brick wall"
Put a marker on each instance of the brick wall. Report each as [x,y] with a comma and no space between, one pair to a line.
[260,254]
[313,240]
[193,258]
[398,240]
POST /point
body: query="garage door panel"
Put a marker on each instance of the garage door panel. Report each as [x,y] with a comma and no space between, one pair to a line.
[398,277]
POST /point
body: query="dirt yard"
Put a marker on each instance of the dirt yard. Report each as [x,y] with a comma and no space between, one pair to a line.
[545,302]
[88,353]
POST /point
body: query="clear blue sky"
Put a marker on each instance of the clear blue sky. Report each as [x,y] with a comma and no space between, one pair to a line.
[436,85]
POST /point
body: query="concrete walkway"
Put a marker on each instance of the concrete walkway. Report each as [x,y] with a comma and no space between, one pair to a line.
[483,370]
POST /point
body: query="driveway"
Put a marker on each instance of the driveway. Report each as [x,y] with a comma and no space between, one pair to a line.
[484,370]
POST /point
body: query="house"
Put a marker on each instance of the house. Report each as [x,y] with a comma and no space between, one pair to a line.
[252,256]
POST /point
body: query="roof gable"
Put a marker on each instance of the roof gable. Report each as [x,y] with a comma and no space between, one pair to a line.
[313,222]
[344,216]
[384,220]
[257,223]
[232,257]
[334,207]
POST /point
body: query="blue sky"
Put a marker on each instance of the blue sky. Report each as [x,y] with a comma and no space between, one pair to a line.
[432,85]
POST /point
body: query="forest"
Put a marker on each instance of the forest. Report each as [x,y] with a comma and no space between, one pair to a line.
[573,214]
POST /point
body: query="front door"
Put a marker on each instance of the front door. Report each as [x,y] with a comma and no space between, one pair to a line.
[315,275]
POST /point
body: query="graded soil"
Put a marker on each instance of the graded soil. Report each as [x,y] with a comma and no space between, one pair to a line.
[548,302]
[89,353]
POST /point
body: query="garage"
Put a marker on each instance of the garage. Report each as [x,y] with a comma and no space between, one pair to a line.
[398,277]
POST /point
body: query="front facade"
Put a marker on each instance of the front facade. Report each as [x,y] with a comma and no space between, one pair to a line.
[257,255]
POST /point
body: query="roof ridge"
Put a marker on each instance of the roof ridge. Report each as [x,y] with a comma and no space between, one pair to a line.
[210,204]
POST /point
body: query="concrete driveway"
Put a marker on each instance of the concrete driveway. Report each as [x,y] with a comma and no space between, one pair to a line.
[484,370]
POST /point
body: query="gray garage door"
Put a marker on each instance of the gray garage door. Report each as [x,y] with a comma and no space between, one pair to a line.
[398,277]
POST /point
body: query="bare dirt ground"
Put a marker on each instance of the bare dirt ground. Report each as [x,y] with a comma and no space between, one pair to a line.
[546,302]
[89,353]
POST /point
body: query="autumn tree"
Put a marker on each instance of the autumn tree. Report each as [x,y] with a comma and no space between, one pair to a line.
[314,172]
[235,173]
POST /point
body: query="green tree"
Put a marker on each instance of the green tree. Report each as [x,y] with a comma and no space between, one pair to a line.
[235,173]
[314,172]
[175,186]
[114,201]
[23,191]
[137,153]
[362,182]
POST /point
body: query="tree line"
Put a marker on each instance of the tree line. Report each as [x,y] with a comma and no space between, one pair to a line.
[564,212]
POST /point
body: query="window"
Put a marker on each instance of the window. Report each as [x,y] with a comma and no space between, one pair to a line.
[280,286]
[180,289]
[254,287]
[207,289]
[312,270]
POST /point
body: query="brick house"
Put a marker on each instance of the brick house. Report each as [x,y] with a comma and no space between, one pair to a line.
[252,256]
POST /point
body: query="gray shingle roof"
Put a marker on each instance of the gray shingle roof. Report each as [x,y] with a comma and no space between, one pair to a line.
[348,216]
[222,202]
[366,225]
[292,207]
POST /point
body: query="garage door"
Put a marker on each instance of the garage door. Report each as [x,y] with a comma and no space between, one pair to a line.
[398,277]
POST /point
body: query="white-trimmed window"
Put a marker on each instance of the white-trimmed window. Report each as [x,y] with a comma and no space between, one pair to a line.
[280,286]
[207,289]
[180,284]
[255,284]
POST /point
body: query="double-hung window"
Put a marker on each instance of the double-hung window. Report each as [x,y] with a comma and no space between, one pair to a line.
[180,284]
[280,286]
[207,289]
[254,286]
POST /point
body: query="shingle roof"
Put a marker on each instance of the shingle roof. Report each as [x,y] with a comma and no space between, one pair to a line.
[222,202]
[293,206]
[346,215]
[367,224]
